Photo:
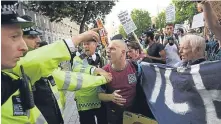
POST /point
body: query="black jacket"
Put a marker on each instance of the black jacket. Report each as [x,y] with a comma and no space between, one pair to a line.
[46,101]
[140,105]
[8,87]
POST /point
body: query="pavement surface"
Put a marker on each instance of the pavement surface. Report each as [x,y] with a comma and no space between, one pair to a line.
[70,113]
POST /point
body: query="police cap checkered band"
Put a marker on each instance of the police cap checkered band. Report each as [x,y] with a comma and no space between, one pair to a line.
[9,14]
[9,7]
[31,31]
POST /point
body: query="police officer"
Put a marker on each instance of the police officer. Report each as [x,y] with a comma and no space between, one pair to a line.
[16,92]
[45,89]
[88,104]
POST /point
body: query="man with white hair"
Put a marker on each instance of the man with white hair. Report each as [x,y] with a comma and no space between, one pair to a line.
[192,48]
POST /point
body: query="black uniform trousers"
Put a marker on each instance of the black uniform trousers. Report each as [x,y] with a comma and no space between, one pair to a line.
[88,116]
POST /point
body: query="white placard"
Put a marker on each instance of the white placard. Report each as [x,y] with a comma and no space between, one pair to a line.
[170,13]
[198,21]
[127,22]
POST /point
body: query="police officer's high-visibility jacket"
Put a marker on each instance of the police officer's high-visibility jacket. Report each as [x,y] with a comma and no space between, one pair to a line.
[47,100]
[12,109]
[98,81]
[42,61]
[36,64]
[34,116]
[87,98]
[12,112]
[81,65]
[77,67]
[73,81]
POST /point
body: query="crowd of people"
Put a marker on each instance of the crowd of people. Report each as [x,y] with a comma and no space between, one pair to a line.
[33,85]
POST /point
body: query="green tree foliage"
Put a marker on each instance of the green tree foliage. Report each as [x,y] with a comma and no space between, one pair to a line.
[161,20]
[122,32]
[141,19]
[185,10]
[79,11]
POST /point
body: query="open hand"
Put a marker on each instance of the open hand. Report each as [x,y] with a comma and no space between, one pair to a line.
[118,99]
[87,36]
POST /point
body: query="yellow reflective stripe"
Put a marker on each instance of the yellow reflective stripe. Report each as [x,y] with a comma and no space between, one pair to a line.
[84,65]
[67,80]
[79,81]
[40,119]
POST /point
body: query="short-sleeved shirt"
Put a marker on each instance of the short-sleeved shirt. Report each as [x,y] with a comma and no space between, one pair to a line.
[172,56]
[154,50]
[124,80]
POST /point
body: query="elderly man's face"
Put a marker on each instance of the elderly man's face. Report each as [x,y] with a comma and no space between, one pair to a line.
[186,52]
[12,45]
[89,47]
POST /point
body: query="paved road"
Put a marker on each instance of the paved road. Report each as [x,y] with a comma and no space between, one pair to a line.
[71,114]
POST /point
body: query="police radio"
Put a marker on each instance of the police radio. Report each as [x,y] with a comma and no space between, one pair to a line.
[27,99]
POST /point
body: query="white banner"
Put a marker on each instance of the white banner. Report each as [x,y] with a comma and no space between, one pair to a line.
[127,22]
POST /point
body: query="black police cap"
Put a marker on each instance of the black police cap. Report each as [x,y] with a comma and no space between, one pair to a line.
[9,14]
[30,30]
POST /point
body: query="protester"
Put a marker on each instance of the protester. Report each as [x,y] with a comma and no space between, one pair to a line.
[135,52]
[212,46]
[172,55]
[192,50]
[169,33]
[155,51]
[180,34]
[213,24]
[121,93]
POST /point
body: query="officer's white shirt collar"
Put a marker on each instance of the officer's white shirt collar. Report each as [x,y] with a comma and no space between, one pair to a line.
[94,56]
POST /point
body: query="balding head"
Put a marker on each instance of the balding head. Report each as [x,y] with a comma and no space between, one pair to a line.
[120,44]
[116,51]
